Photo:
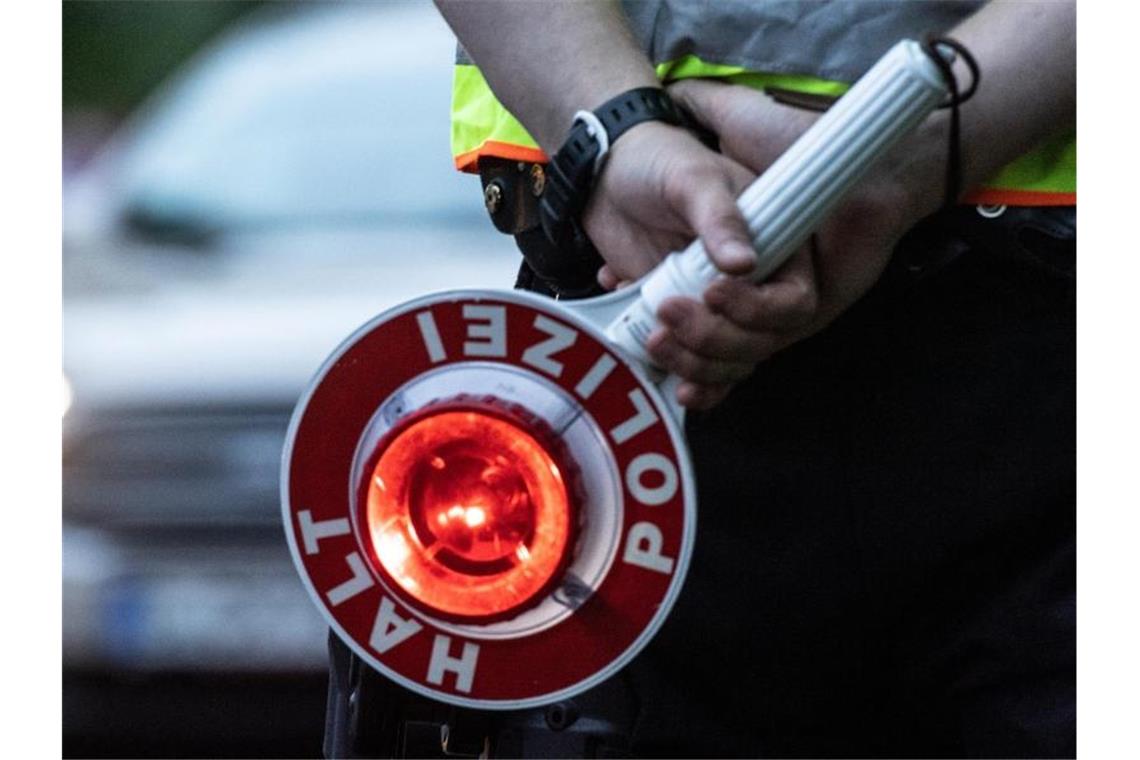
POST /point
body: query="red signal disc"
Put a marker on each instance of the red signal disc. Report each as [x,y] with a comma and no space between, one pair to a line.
[544,371]
[468,514]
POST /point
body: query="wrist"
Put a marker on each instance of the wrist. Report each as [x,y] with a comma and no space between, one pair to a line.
[574,168]
[585,93]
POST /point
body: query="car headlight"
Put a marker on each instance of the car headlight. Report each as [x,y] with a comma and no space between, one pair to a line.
[67,395]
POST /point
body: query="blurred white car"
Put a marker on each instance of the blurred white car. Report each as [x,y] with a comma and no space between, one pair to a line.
[289,184]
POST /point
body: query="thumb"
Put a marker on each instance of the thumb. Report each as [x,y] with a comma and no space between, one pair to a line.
[712,211]
[708,204]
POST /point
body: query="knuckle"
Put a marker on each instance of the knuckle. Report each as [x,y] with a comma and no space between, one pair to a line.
[690,366]
[677,183]
[682,368]
[805,299]
[723,220]
[747,309]
[662,351]
[696,333]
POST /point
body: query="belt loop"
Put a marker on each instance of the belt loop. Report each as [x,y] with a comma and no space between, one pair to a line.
[991,211]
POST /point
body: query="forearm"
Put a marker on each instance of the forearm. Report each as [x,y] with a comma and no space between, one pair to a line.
[1026,52]
[544,61]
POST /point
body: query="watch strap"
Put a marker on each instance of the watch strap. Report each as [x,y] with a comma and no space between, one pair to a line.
[573,169]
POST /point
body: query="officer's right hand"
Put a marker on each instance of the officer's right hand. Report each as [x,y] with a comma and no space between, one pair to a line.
[660,188]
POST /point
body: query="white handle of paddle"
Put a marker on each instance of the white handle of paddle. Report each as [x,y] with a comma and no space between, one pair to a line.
[787,203]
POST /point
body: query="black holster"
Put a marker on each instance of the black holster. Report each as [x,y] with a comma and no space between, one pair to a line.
[511,190]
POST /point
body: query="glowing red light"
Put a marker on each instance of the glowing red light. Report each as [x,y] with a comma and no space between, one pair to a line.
[468,513]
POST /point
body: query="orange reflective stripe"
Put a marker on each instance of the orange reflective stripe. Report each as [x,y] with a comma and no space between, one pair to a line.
[469,161]
[996,196]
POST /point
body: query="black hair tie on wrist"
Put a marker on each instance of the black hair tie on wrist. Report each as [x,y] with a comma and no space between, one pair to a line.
[954,161]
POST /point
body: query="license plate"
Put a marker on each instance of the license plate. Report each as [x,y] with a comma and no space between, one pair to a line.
[195,622]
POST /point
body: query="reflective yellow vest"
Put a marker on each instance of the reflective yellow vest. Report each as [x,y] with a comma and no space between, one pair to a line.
[481,126]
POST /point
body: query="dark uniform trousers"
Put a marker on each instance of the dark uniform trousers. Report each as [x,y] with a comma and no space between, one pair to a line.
[885,554]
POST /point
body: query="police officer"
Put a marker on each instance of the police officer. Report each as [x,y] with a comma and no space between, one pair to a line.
[884,429]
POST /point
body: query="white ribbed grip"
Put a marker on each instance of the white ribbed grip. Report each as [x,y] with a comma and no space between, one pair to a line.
[787,203]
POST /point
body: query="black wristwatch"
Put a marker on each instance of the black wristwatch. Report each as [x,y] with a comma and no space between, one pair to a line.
[572,170]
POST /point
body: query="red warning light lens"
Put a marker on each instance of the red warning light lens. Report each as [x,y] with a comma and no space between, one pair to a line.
[468,513]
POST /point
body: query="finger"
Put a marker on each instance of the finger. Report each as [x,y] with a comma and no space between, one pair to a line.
[696,396]
[711,335]
[702,98]
[752,128]
[786,303]
[771,307]
[667,353]
[607,278]
[629,248]
[611,280]
[706,199]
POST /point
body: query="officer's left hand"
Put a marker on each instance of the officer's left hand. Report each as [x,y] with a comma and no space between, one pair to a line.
[715,343]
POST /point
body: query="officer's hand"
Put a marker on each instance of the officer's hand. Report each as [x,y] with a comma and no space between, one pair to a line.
[719,341]
[715,343]
[659,189]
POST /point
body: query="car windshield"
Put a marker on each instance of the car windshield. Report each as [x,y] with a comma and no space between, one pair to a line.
[300,148]
[304,117]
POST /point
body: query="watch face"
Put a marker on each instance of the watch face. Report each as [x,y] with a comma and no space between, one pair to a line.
[486,501]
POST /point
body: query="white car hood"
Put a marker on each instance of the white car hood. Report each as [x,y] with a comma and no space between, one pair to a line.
[250,337]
